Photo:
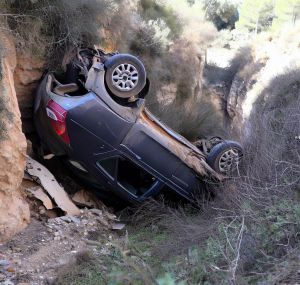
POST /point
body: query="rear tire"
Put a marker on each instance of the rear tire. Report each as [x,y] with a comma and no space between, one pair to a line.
[224,157]
[125,75]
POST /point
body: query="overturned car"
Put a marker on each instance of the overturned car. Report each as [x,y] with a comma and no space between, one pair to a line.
[94,118]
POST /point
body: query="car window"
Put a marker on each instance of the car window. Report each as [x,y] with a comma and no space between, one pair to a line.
[109,166]
[133,178]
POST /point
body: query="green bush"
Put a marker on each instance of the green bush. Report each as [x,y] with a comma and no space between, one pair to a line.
[223,13]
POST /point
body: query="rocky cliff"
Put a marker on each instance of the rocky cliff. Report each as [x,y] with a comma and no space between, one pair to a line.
[14,211]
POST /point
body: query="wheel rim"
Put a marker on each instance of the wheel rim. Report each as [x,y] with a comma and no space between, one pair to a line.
[125,77]
[229,160]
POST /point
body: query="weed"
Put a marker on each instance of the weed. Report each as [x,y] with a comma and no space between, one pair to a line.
[84,270]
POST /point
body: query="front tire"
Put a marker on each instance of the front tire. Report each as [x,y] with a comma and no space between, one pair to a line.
[225,157]
[125,75]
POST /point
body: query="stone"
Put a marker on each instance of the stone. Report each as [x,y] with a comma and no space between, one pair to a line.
[66,219]
[75,220]
[4,262]
[42,210]
[7,282]
[2,277]
[10,269]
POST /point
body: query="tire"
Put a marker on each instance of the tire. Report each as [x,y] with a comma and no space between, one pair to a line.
[225,157]
[125,75]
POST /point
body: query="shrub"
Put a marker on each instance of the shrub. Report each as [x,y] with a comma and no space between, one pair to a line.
[51,27]
[145,43]
[152,10]
[266,192]
[223,13]
[274,131]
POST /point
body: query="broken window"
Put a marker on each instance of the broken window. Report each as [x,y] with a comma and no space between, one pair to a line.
[130,176]
[109,166]
[133,178]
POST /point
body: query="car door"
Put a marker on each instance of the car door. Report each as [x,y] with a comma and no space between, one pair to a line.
[94,129]
[151,150]
[129,180]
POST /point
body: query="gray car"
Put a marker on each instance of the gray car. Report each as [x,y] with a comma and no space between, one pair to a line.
[94,118]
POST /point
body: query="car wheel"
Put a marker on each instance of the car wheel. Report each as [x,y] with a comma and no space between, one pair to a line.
[125,75]
[225,157]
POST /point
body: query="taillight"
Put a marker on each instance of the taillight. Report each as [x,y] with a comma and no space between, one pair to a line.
[57,116]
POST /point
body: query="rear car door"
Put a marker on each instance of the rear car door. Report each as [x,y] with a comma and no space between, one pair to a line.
[130,180]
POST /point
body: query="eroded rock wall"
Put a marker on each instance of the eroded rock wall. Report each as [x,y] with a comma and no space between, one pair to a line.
[14,211]
[28,71]
[255,69]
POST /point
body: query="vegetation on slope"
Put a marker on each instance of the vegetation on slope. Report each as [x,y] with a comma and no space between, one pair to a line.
[248,234]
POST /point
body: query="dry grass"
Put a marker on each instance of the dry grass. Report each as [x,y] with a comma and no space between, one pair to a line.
[196,120]
[266,193]
[49,28]
[273,145]
[249,233]
[82,270]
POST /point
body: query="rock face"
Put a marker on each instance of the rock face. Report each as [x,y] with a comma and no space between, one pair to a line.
[14,211]
[26,77]
[258,68]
